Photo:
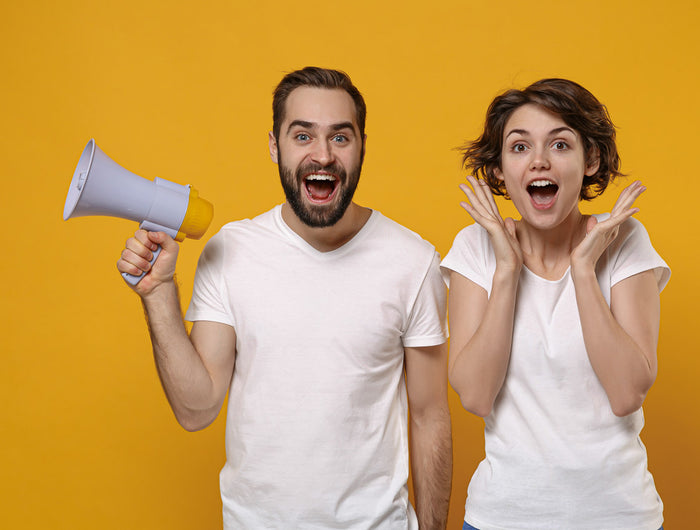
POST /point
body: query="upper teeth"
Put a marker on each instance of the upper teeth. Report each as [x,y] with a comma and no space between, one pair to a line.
[541,183]
[320,177]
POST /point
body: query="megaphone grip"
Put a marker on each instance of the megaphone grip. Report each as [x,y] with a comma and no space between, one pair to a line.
[132,279]
[151,227]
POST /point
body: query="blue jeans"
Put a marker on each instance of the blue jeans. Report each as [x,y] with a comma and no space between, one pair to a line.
[467,526]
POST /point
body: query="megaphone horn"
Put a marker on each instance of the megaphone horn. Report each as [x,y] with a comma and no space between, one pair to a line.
[100,186]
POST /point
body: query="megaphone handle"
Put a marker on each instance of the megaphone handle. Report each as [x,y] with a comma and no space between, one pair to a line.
[133,280]
[151,227]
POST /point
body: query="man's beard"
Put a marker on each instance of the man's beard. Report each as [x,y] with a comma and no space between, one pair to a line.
[318,216]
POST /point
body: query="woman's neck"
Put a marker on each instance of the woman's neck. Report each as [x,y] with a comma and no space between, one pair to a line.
[547,251]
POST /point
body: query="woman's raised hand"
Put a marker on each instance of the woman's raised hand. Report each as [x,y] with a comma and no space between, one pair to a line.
[599,235]
[481,206]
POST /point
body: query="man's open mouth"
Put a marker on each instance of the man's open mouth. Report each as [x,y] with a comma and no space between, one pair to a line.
[543,192]
[320,187]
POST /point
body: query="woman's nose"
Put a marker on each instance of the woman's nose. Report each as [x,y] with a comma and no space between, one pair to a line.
[540,160]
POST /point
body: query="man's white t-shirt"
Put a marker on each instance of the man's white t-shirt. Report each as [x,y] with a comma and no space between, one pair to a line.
[316,432]
[556,455]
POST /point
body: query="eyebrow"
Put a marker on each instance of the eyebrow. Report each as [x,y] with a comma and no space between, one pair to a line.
[311,125]
[343,125]
[551,133]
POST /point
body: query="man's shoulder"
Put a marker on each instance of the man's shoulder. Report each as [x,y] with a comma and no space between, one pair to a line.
[242,235]
[266,221]
[398,235]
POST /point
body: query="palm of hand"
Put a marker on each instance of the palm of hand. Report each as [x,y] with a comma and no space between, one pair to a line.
[599,235]
[481,206]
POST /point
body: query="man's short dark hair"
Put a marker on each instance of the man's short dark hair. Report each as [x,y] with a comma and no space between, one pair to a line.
[313,76]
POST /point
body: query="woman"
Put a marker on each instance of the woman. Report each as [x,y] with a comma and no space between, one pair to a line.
[554,320]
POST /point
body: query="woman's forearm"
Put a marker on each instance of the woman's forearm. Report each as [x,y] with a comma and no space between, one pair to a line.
[621,339]
[482,343]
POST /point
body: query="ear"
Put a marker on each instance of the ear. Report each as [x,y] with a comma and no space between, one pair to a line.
[273,147]
[593,163]
[498,173]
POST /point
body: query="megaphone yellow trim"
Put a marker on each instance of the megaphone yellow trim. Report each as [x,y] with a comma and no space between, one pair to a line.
[197,218]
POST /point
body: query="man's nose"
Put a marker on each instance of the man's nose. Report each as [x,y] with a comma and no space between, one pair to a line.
[322,153]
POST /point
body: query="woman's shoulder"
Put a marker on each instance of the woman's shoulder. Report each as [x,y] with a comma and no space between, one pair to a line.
[473,235]
[471,255]
[632,252]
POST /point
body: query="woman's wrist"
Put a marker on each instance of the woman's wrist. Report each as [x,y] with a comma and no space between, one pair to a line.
[581,270]
[507,275]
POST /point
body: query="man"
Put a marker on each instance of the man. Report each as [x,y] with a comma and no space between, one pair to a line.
[320,305]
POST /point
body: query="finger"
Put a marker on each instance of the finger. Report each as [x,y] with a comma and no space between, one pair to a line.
[475,201]
[622,216]
[490,199]
[510,227]
[124,266]
[613,222]
[635,193]
[474,213]
[129,268]
[479,192]
[468,208]
[628,196]
[163,240]
[591,223]
[136,246]
[625,207]
[135,261]
[144,237]
[483,199]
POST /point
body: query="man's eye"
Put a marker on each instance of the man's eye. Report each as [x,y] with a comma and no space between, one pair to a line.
[303,137]
[339,138]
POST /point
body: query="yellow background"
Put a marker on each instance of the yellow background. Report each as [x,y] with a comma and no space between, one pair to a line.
[182,90]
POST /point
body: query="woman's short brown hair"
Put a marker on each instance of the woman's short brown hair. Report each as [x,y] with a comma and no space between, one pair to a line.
[576,106]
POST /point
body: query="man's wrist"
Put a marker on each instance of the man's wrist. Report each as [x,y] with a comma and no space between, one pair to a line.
[160,294]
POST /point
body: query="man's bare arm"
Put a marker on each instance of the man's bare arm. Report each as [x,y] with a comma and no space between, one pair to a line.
[430,434]
[196,369]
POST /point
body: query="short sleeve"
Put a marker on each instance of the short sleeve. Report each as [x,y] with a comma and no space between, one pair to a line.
[632,253]
[209,300]
[471,256]
[427,324]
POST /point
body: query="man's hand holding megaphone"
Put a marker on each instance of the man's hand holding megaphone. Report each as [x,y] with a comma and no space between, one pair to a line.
[138,254]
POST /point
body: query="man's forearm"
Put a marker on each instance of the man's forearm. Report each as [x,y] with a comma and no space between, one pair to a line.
[182,373]
[431,465]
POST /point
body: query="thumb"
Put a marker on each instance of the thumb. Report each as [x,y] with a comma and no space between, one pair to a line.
[163,240]
[510,227]
[590,224]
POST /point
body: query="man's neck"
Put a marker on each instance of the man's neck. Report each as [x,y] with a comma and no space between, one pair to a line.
[330,237]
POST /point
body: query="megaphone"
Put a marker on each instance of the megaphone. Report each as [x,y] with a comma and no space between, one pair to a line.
[100,186]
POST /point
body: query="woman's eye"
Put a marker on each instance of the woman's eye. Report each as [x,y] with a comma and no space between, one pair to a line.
[519,148]
[560,146]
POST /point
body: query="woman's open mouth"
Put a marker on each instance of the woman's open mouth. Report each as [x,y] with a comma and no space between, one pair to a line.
[543,192]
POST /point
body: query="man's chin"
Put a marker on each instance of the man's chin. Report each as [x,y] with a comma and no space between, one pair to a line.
[319,217]
[322,215]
